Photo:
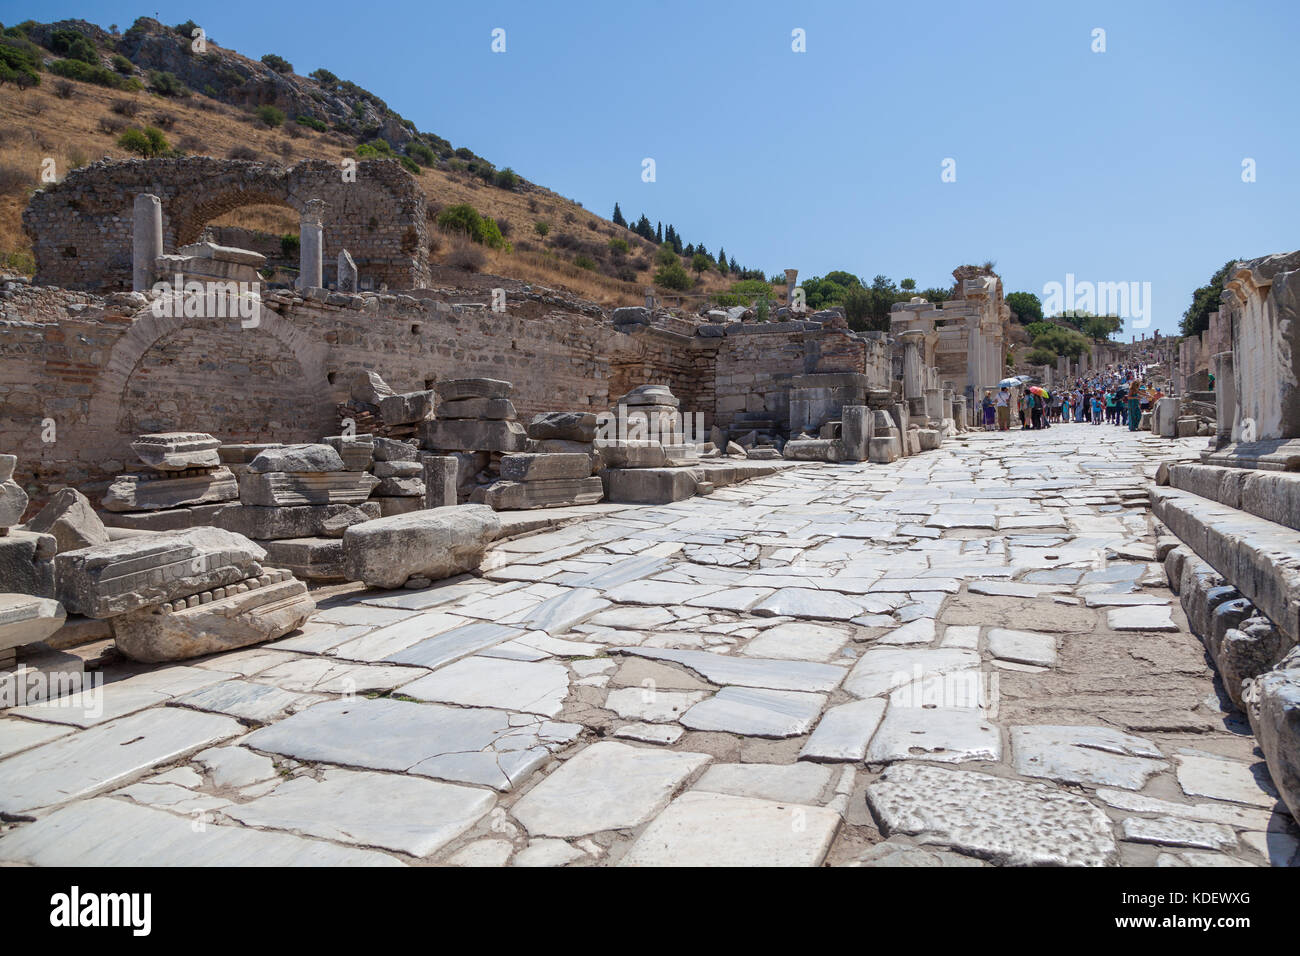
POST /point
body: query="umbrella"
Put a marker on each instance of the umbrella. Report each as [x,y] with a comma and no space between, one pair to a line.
[1009,383]
[1038,390]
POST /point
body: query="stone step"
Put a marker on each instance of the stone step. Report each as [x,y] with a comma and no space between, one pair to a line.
[1273,495]
[1259,557]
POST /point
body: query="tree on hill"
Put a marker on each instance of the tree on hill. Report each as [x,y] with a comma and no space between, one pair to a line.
[659,233]
[1027,307]
[1204,301]
[617,218]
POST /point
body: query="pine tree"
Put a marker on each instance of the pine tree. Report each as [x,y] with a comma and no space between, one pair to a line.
[643,228]
[722,259]
[735,266]
[618,217]
[659,233]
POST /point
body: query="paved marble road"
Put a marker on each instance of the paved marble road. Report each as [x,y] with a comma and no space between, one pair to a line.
[968,658]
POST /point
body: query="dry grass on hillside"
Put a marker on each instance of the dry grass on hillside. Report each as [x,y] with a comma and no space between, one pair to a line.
[39,124]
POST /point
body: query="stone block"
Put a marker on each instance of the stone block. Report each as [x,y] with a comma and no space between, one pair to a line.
[1247,652]
[763,453]
[648,486]
[397,469]
[567,426]
[928,438]
[309,558]
[242,454]
[883,449]
[461,388]
[13,502]
[27,619]
[136,572]
[435,543]
[1273,706]
[400,488]
[150,492]
[473,435]
[72,520]
[279,489]
[390,449]
[176,451]
[398,504]
[250,612]
[27,562]
[368,387]
[406,408]
[298,521]
[357,451]
[297,459]
[813,449]
[489,409]
[440,473]
[650,395]
[532,467]
[1186,427]
[632,454]
[857,423]
[546,493]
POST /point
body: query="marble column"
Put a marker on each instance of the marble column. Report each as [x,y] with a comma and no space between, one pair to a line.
[913,371]
[146,241]
[311,246]
[934,404]
[1225,400]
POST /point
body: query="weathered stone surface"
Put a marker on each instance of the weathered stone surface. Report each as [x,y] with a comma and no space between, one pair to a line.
[295,521]
[357,451]
[149,493]
[488,409]
[397,469]
[26,619]
[608,786]
[843,733]
[408,815]
[526,686]
[755,712]
[441,474]
[27,562]
[1273,706]
[648,486]
[746,672]
[1004,821]
[368,387]
[567,426]
[531,467]
[13,502]
[714,829]
[406,408]
[1022,647]
[390,449]
[1170,831]
[71,518]
[942,734]
[272,606]
[309,558]
[400,488]
[296,459]
[456,389]
[473,435]
[176,451]
[1100,756]
[281,489]
[551,493]
[435,543]
[652,394]
[813,449]
[640,453]
[136,572]
[885,669]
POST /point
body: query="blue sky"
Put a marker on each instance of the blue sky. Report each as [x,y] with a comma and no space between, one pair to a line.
[1122,166]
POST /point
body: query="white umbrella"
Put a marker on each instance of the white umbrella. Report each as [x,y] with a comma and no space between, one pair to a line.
[1009,383]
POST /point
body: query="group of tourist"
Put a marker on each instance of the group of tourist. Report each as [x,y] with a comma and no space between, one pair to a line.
[1116,395]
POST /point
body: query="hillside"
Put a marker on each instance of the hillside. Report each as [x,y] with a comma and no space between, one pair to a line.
[86,87]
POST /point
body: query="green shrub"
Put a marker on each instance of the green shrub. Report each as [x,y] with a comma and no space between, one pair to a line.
[312,123]
[277,63]
[1041,356]
[752,287]
[290,243]
[762,310]
[148,142]
[122,65]
[74,46]
[270,116]
[506,178]
[421,153]
[185,29]
[674,276]
[619,246]
[465,218]
[376,149]
[543,229]
[324,77]
[410,165]
[167,84]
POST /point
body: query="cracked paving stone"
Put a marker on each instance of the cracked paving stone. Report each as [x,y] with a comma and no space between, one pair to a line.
[785,783]
[18,735]
[798,641]
[409,815]
[1141,617]
[607,786]
[89,761]
[886,669]
[108,832]
[755,712]
[248,700]
[235,766]
[1171,831]
[1100,756]
[919,631]
[716,829]
[452,645]
[548,853]
[461,744]
[1004,821]
[843,733]
[897,853]
[651,733]
[746,672]
[651,706]
[1022,647]
[322,676]
[537,688]
[810,603]
[1208,775]
[942,734]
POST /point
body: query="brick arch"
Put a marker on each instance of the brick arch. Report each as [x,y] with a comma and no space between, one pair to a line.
[148,330]
[379,215]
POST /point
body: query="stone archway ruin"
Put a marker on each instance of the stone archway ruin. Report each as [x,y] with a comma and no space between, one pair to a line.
[81,227]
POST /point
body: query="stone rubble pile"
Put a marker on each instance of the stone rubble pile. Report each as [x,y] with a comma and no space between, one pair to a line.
[186,471]
[374,408]
[558,469]
[477,425]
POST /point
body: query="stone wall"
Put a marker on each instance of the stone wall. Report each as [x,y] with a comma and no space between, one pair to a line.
[81,227]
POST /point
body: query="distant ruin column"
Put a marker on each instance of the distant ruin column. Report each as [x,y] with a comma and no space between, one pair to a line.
[934,404]
[790,276]
[650,298]
[311,246]
[347,272]
[146,241]
[1225,399]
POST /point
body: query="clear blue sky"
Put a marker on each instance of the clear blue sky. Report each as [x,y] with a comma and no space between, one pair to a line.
[1117,166]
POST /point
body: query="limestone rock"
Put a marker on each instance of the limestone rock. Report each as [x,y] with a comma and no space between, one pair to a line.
[136,572]
[250,612]
[1273,706]
[650,395]
[13,502]
[640,453]
[357,451]
[436,543]
[149,493]
[294,459]
[390,449]
[397,469]
[530,467]
[296,521]
[648,486]
[456,389]
[176,451]
[549,493]
[569,426]
[27,562]
[473,435]
[489,409]
[278,489]
[368,387]
[406,408]
[72,520]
